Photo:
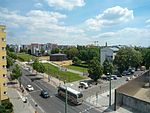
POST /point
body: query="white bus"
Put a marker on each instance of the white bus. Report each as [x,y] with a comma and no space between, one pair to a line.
[73,96]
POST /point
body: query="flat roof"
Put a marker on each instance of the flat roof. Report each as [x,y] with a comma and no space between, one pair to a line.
[58,54]
[70,90]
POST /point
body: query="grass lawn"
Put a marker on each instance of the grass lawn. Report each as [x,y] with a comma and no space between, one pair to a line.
[54,71]
[77,68]
[25,57]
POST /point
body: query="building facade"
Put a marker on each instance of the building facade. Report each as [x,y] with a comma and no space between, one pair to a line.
[58,57]
[108,53]
[3,63]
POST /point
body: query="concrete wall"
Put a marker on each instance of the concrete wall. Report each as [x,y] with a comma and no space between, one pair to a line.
[132,102]
[124,95]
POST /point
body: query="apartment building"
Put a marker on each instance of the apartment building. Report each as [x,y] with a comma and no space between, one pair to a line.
[3,63]
[108,53]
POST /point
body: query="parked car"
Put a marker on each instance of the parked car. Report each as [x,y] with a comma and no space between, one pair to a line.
[114,77]
[44,94]
[126,73]
[104,77]
[29,88]
[128,79]
[131,70]
[83,85]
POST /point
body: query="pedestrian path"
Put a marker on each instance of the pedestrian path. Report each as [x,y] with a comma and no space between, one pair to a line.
[18,105]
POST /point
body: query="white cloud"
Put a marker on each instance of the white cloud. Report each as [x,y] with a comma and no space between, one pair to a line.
[38,26]
[111,16]
[126,36]
[65,4]
[148,21]
[38,5]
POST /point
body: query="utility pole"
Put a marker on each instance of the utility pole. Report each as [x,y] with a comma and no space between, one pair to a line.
[109,89]
[66,101]
[149,76]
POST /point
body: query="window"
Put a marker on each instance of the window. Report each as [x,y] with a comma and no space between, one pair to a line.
[4,57]
[4,66]
[3,39]
[5,92]
[4,75]
[4,84]
[3,48]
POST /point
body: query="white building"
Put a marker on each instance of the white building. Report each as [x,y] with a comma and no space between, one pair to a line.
[108,53]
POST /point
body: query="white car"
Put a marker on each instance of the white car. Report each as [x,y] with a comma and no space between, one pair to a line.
[29,88]
[128,79]
[83,85]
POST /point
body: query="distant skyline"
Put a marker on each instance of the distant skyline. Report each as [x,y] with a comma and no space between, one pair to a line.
[77,22]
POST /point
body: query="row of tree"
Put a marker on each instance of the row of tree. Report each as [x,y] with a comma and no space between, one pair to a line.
[126,57]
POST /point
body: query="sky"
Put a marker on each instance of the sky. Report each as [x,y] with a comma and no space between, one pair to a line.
[77,22]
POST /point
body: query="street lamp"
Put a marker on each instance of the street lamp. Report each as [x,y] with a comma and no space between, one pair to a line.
[109,89]
[149,76]
[66,98]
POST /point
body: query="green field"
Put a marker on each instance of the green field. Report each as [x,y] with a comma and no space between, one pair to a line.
[68,76]
[25,57]
[77,68]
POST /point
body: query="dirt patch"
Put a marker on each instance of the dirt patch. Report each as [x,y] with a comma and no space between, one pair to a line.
[44,58]
[63,63]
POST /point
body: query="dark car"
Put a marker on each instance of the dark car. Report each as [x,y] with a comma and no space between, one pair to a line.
[126,73]
[44,94]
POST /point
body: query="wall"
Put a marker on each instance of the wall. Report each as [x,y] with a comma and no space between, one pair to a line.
[124,95]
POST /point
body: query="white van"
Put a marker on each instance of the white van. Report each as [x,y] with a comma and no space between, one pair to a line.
[83,85]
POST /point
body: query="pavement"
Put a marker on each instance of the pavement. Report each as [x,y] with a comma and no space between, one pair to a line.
[18,105]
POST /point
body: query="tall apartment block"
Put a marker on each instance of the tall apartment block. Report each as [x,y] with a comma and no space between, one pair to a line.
[3,63]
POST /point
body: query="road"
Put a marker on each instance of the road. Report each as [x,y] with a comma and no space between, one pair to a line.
[53,104]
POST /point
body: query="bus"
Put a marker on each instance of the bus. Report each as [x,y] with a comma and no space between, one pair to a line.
[73,96]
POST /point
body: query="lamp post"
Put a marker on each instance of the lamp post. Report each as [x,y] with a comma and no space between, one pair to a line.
[66,99]
[149,76]
[109,89]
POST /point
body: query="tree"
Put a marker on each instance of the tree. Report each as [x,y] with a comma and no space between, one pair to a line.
[95,70]
[9,62]
[39,67]
[12,55]
[42,51]
[76,61]
[6,107]
[127,57]
[147,59]
[83,55]
[108,67]
[72,52]
[56,50]
[16,72]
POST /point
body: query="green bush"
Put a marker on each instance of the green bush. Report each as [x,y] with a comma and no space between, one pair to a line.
[6,107]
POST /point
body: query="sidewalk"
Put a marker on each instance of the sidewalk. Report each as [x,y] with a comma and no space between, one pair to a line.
[18,105]
[101,103]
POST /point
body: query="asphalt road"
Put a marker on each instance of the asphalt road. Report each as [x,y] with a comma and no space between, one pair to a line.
[54,104]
